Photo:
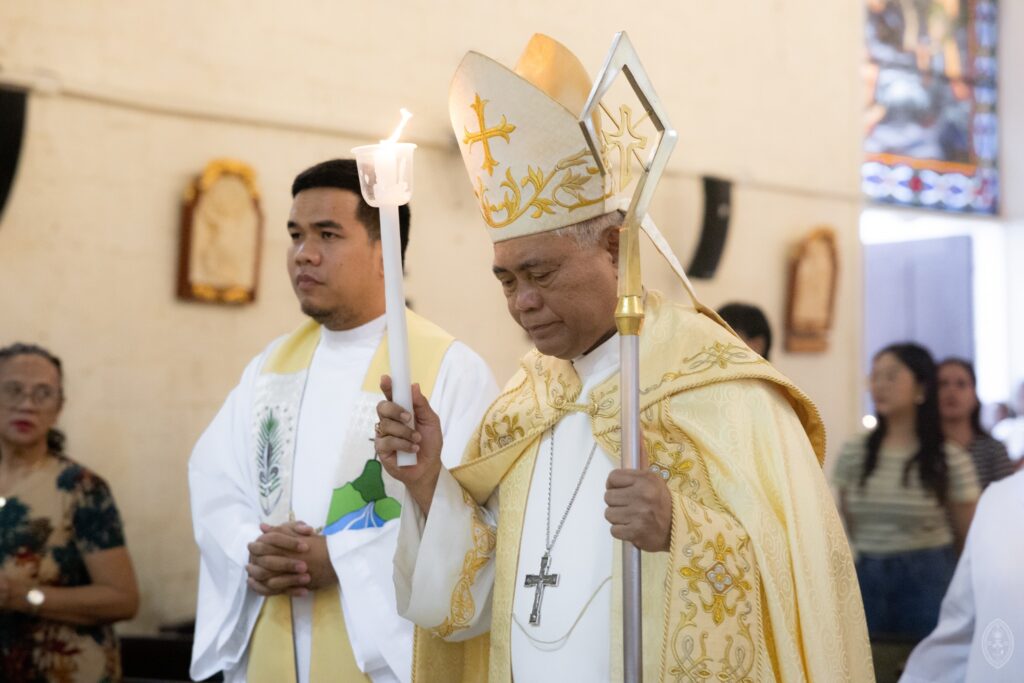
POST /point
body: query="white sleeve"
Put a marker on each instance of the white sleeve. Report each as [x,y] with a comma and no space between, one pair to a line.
[425,581]
[464,389]
[225,519]
[942,657]
[444,565]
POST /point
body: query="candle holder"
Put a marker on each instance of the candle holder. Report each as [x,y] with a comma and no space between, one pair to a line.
[385,172]
[385,180]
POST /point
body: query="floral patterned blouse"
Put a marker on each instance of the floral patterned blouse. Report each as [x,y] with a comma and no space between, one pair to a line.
[58,513]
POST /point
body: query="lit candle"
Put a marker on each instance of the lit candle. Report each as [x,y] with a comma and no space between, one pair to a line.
[385,162]
[385,178]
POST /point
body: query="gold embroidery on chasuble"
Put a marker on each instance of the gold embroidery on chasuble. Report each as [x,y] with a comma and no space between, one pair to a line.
[718,355]
[715,630]
[504,431]
[712,601]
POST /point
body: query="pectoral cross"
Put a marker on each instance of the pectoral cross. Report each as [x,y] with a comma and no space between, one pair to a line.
[539,582]
[484,135]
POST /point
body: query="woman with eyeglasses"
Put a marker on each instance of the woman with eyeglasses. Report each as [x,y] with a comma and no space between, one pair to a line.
[65,573]
[907,496]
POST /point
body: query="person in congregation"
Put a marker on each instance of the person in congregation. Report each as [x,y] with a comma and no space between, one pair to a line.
[981,623]
[65,573]
[1010,430]
[961,421]
[751,324]
[508,563]
[907,496]
[294,518]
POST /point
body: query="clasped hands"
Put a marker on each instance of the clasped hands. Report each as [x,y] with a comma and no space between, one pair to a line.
[289,559]
[639,503]
[13,590]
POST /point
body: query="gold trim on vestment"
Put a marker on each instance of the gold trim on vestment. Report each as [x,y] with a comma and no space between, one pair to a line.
[463,607]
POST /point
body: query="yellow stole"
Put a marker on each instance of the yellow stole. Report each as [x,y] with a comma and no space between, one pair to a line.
[272,647]
[681,349]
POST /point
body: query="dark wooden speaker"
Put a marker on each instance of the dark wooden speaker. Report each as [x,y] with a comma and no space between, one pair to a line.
[717,210]
[12,128]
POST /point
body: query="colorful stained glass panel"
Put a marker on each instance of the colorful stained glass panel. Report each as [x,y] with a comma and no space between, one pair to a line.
[931,130]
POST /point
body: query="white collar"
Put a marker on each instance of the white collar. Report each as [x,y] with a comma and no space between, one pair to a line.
[367,333]
[599,360]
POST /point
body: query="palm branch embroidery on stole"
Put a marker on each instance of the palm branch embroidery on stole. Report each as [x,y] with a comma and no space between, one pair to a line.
[268,460]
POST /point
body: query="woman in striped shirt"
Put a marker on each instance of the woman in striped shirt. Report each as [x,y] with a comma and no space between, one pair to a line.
[907,497]
[961,421]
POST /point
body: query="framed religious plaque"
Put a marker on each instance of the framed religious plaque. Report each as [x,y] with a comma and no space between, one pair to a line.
[221,235]
[813,274]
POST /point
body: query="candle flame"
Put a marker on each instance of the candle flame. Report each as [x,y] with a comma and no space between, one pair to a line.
[406,115]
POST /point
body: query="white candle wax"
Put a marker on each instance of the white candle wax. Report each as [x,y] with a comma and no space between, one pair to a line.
[394,292]
[389,166]
[386,164]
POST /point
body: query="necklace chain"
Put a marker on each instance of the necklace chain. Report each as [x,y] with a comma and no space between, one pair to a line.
[551,475]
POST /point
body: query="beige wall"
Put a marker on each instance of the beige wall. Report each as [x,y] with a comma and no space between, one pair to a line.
[133,98]
[754,268]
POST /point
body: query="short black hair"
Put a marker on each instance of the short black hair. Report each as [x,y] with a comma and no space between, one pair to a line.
[750,321]
[342,174]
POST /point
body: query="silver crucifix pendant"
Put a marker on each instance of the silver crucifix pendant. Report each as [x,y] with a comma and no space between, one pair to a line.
[539,582]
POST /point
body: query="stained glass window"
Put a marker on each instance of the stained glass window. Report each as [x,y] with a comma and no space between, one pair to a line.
[931,137]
